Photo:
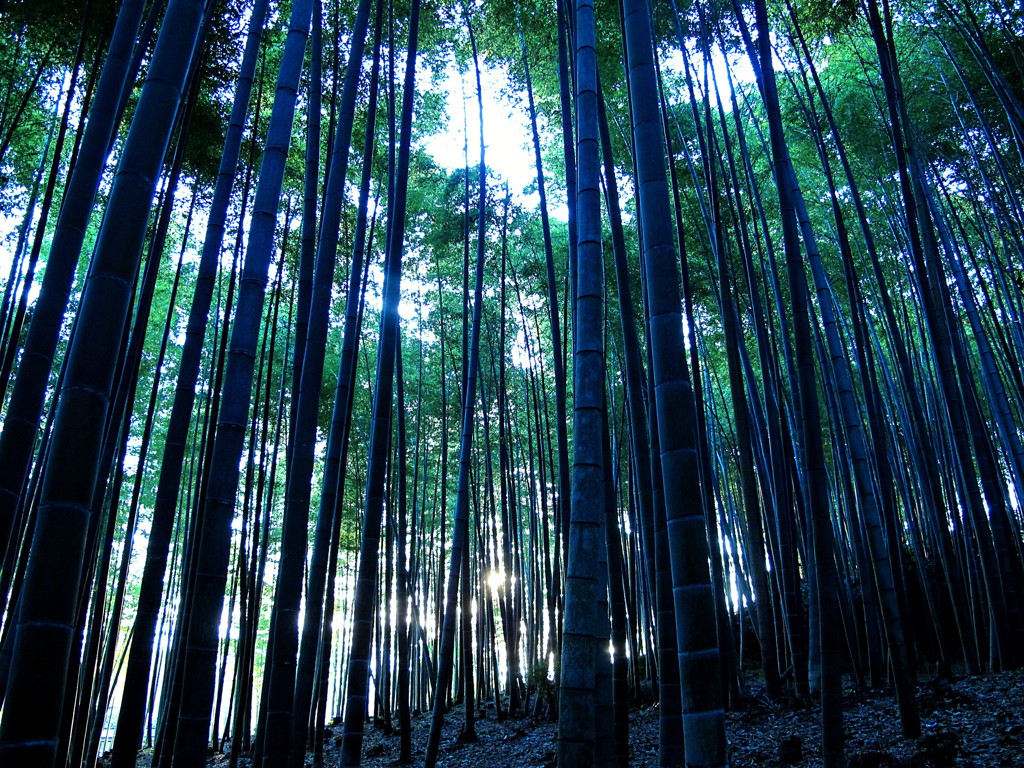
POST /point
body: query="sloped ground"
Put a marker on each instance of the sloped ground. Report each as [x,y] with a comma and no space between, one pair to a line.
[975,722]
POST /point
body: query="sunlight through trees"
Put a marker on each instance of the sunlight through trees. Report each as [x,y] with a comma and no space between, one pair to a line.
[332,396]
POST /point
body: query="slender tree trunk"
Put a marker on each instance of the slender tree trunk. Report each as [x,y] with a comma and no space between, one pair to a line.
[28,732]
[578,701]
[703,717]
[214,546]
[366,584]
[460,535]
[21,422]
[816,488]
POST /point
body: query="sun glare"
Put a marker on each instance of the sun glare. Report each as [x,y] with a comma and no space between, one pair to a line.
[495,580]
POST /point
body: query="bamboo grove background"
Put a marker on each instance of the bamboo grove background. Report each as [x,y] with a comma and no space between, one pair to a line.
[302,428]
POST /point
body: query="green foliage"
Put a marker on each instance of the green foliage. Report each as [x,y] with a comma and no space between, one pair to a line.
[827,18]
[58,23]
[958,125]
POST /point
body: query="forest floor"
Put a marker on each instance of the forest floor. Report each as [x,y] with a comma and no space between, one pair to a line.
[972,722]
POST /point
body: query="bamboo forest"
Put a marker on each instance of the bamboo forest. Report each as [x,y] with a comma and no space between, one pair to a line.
[615,382]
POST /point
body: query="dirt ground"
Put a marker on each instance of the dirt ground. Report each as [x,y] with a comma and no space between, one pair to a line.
[975,722]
